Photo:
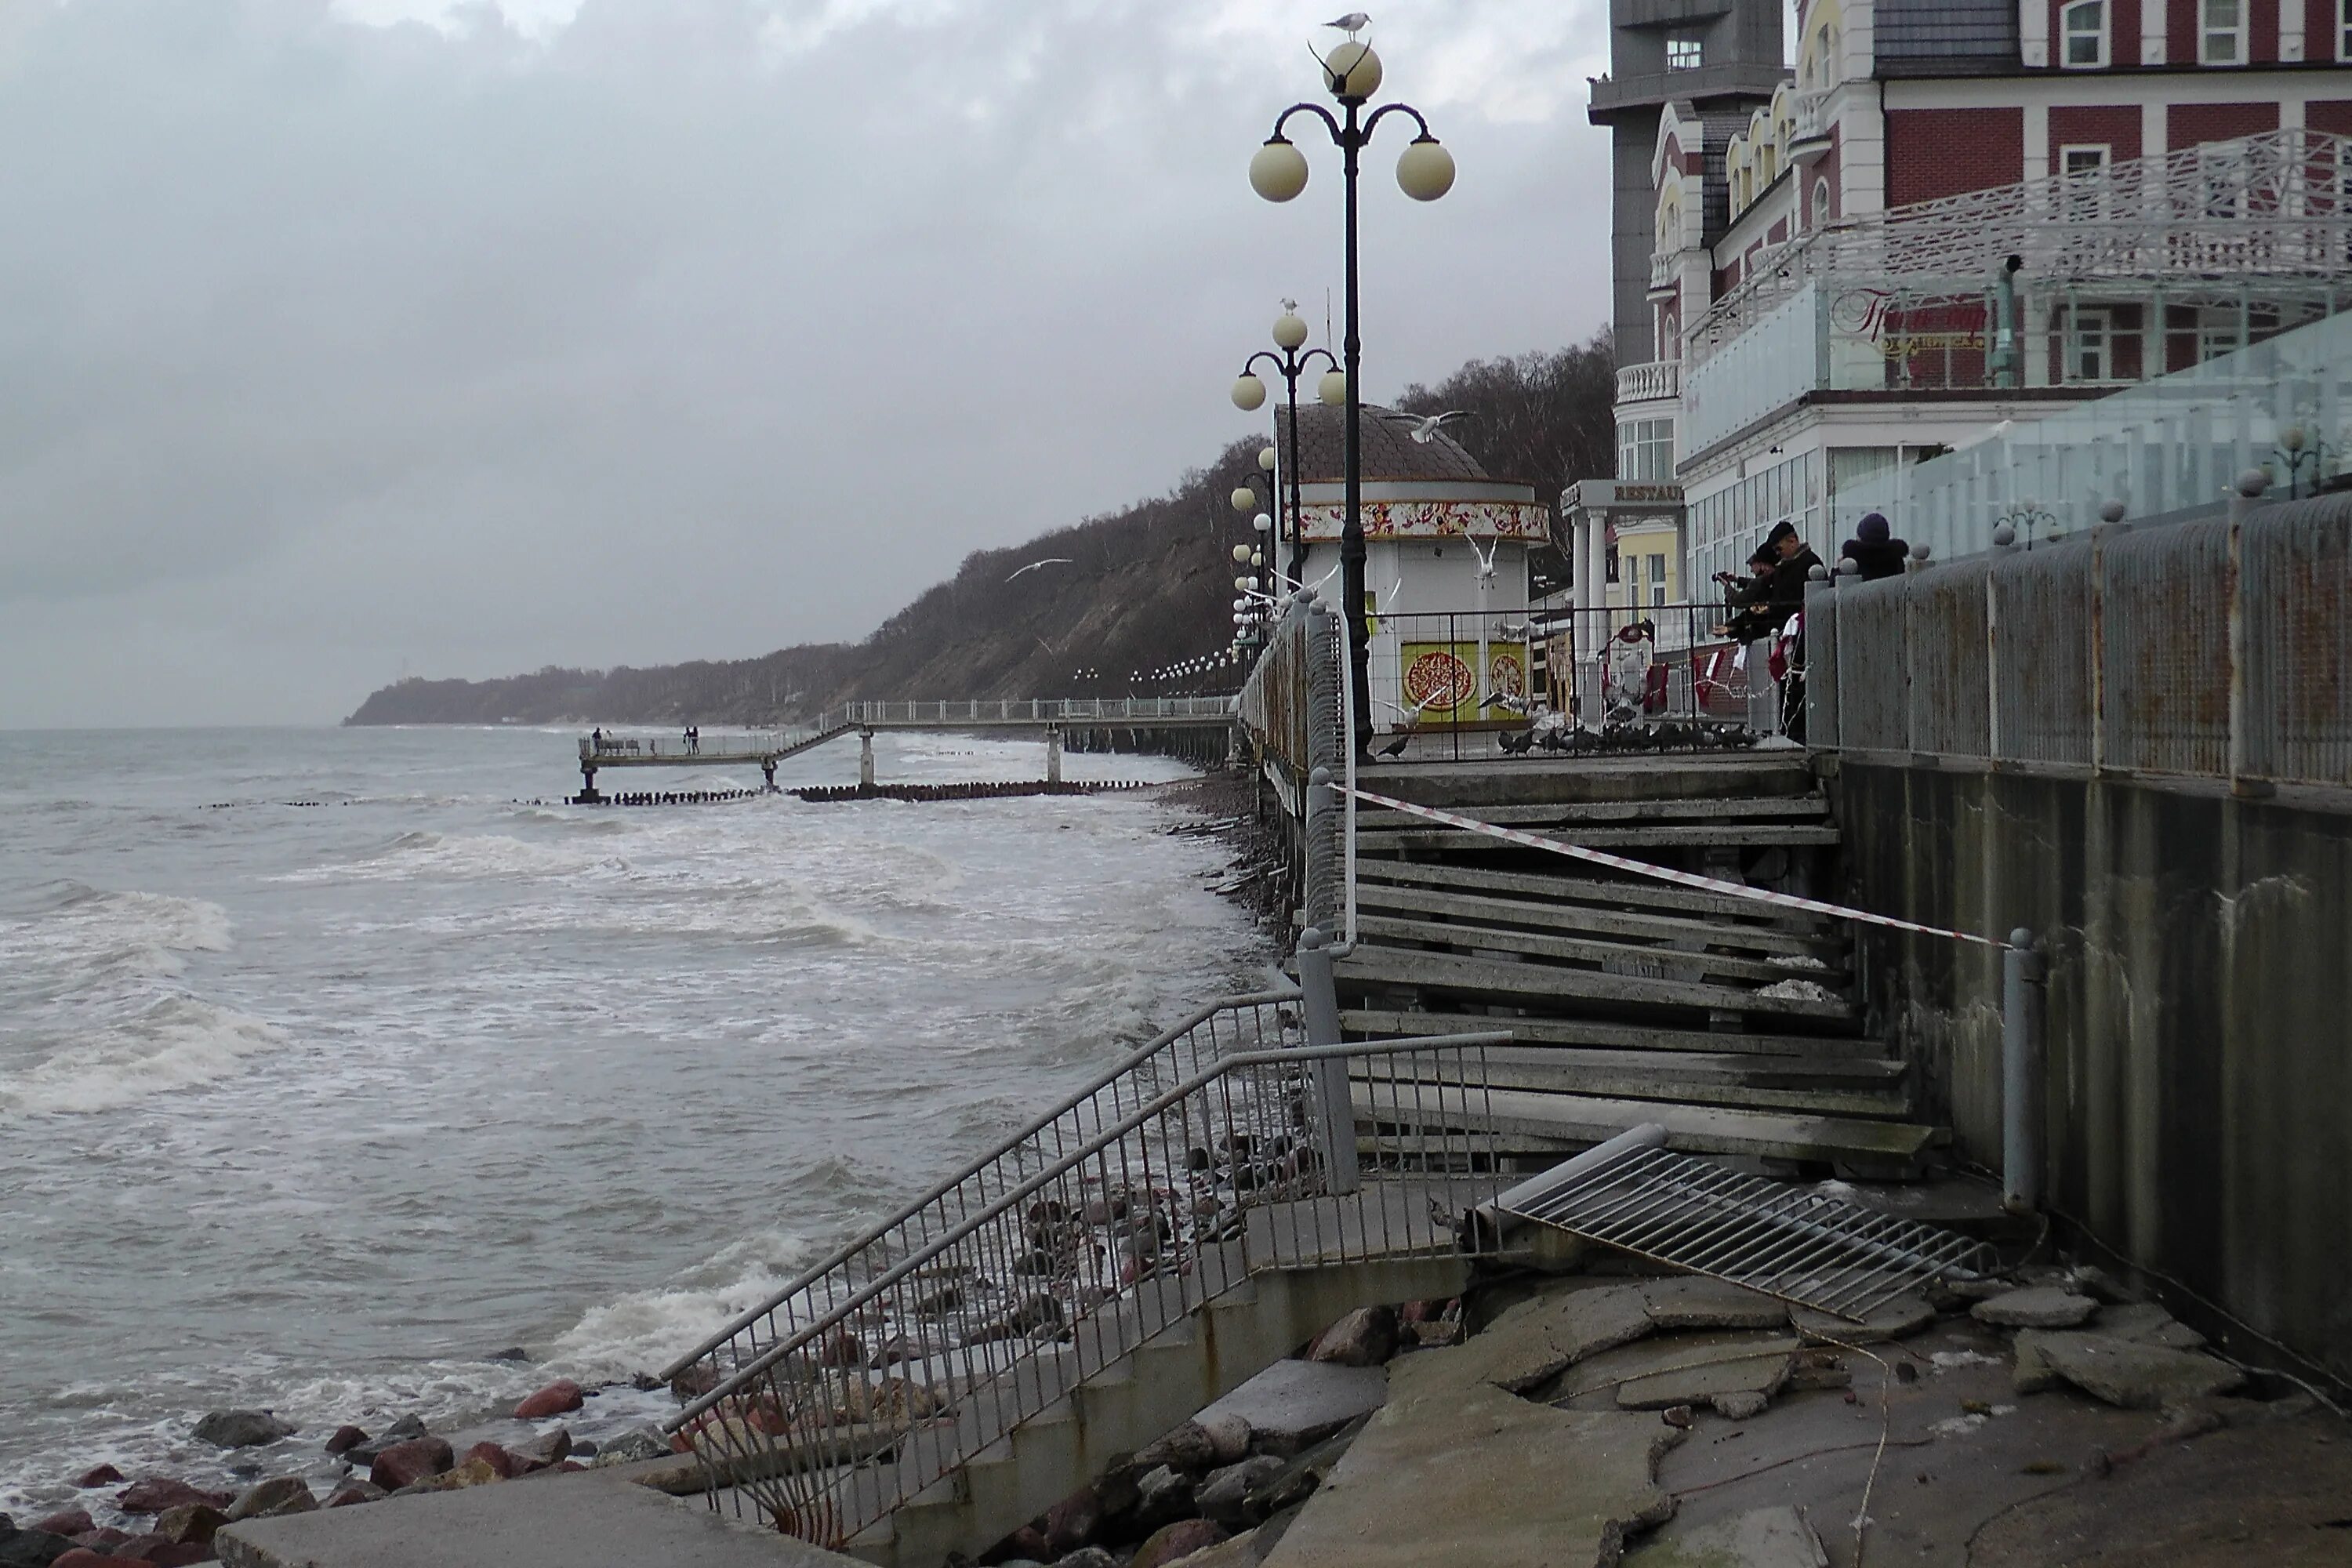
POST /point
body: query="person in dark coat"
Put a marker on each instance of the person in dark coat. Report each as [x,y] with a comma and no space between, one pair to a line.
[1747,600]
[1873,550]
[1793,568]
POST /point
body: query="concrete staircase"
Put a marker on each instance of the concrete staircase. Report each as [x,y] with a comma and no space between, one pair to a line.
[1116,1410]
[1632,1000]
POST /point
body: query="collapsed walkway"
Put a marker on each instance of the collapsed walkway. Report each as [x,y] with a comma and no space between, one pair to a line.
[1730,1021]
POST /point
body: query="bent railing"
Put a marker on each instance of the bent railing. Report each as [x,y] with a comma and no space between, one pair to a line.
[1128,1208]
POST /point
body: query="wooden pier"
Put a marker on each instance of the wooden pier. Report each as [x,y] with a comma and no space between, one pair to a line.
[765,749]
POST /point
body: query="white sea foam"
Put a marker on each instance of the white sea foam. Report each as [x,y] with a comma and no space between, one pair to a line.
[647,1328]
[177,1042]
[424,854]
[90,933]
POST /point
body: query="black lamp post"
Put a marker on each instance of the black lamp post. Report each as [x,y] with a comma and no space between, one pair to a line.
[2297,447]
[1249,394]
[1424,171]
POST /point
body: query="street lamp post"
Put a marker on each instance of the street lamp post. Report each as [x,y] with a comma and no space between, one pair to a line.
[1249,394]
[1424,171]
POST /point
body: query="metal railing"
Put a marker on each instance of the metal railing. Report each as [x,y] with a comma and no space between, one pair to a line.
[1134,1203]
[1455,685]
[1028,710]
[2211,648]
[710,748]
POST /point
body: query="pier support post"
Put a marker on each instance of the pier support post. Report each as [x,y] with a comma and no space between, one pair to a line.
[1054,754]
[588,795]
[1334,1108]
[866,759]
[2021,996]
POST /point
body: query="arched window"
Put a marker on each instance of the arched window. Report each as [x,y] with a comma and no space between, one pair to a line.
[1820,203]
[2083,34]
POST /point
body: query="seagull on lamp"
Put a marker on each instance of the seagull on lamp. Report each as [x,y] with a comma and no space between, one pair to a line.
[1048,561]
[1485,562]
[1351,24]
[1426,426]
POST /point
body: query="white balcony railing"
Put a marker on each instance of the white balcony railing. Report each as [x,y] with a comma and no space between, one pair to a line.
[1662,270]
[1809,121]
[1639,383]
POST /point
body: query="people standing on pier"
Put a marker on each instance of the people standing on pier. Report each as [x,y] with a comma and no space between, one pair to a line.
[1746,601]
[693,740]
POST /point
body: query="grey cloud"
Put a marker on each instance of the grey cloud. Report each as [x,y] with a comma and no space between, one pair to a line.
[679,330]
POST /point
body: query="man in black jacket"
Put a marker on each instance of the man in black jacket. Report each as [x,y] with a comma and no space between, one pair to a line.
[1792,570]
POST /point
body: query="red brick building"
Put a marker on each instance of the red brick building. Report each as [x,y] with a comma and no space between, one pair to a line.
[1949,213]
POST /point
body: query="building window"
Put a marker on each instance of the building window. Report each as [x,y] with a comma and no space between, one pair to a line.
[1684,54]
[2221,33]
[2221,166]
[2085,187]
[1657,579]
[2084,28]
[1822,196]
[1645,450]
[2344,30]
[2090,346]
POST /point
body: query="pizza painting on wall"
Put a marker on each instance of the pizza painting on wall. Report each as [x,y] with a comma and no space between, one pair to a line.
[1321,523]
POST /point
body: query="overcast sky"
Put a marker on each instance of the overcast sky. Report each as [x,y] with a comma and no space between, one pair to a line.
[341,341]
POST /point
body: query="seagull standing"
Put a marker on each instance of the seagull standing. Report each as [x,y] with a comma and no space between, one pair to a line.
[1048,561]
[1351,24]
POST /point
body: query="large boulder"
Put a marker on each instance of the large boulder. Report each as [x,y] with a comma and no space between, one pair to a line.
[637,1443]
[1365,1337]
[555,1399]
[1174,1542]
[153,1494]
[547,1448]
[344,1438]
[272,1499]
[1072,1522]
[30,1548]
[1186,1447]
[1162,1497]
[99,1475]
[355,1491]
[405,1464]
[242,1428]
[1292,1406]
[1228,1495]
[191,1521]
[66,1522]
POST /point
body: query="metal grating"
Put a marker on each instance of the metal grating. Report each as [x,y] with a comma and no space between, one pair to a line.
[1799,1244]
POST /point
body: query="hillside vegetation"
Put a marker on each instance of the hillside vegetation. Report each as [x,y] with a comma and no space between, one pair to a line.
[1149,585]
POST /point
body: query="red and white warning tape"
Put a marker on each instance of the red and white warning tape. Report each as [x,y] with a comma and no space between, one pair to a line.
[1644,869]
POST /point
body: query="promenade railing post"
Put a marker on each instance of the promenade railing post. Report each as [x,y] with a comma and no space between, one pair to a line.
[1334,1110]
[2022,995]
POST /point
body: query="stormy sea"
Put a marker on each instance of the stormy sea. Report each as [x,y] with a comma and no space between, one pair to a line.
[331,1068]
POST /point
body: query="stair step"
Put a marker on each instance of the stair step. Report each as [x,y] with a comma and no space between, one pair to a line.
[1869,1087]
[1392,1023]
[1381,840]
[1564,1122]
[1613,892]
[1586,950]
[1378,965]
[1676,809]
[1711,931]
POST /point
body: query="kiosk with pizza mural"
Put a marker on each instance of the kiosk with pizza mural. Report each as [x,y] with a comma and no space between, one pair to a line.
[1446,547]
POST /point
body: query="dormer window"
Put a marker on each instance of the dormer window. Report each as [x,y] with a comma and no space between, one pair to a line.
[2344,30]
[2084,34]
[1683,53]
[2221,33]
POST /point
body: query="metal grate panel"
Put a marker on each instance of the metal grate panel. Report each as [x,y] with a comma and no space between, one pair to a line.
[1799,1244]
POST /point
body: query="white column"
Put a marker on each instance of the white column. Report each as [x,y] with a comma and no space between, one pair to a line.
[2033,34]
[2293,25]
[2037,140]
[2152,32]
[2153,129]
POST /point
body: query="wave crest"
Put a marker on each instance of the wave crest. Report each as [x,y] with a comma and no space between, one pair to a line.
[178,1042]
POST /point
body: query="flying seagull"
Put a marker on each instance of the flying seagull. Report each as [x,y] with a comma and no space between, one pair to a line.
[1425,428]
[1049,561]
[1351,24]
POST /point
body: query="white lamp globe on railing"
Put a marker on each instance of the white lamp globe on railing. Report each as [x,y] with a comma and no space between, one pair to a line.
[1332,390]
[1245,498]
[1240,554]
[1249,393]
[1266,458]
[1289,331]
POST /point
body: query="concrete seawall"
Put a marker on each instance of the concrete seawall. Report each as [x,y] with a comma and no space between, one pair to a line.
[2199,1032]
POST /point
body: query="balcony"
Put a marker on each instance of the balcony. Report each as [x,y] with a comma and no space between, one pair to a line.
[1661,271]
[1809,131]
[1644,383]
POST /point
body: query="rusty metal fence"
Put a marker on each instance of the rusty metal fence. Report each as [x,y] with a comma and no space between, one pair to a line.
[2215,648]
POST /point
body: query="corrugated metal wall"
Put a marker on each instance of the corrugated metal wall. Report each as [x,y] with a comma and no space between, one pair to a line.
[2112,650]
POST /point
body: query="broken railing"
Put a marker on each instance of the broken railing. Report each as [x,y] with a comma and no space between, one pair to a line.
[1221,1150]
